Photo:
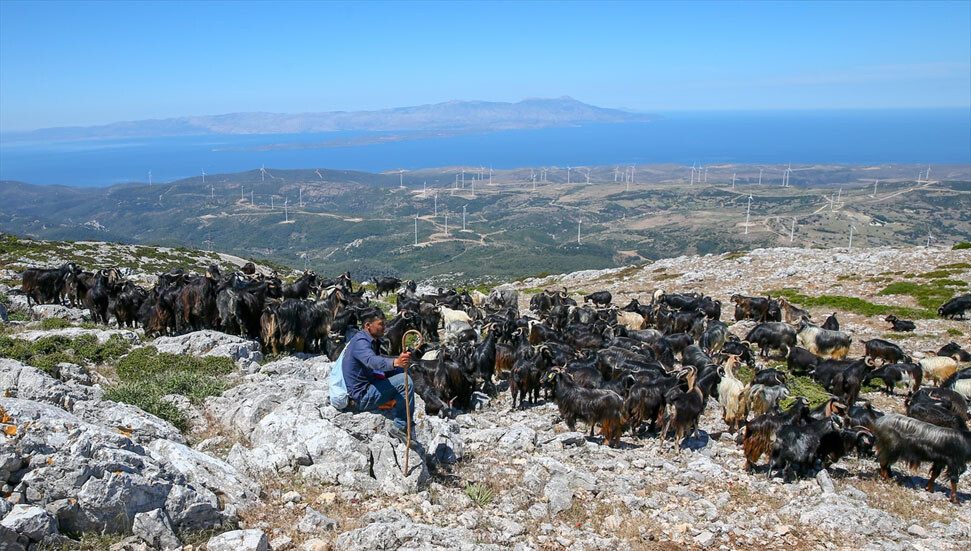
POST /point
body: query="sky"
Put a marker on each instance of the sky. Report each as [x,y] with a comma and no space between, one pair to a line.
[87,63]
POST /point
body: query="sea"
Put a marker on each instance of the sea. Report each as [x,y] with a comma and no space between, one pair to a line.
[852,136]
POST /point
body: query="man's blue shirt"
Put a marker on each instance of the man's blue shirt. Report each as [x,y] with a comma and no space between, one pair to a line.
[360,363]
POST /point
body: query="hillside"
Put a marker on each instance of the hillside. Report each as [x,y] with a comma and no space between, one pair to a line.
[454,116]
[525,222]
[290,469]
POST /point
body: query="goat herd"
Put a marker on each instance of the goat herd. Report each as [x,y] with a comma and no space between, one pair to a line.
[639,368]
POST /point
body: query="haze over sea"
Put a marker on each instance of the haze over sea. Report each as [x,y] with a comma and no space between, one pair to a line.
[707,137]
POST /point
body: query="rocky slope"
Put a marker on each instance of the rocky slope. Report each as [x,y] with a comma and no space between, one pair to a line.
[268,464]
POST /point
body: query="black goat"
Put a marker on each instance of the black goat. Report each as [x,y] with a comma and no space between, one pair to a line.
[899,325]
[915,441]
[798,447]
[591,406]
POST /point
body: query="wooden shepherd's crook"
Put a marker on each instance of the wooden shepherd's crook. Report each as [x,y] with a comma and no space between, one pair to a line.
[404,338]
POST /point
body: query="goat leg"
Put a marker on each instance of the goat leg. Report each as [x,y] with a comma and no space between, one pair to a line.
[935,471]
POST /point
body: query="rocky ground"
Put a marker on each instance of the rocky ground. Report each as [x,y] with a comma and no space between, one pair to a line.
[268,464]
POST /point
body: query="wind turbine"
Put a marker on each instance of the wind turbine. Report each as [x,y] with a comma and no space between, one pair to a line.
[692,174]
[263,174]
[748,211]
[578,231]
[788,173]
[632,174]
[149,177]
[733,181]
[568,174]
[874,194]
[401,179]
[423,188]
[203,176]
[760,176]
[463,217]
[706,174]
[792,231]
[446,222]
[286,210]
[852,227]
[317,170]
[616,172]
[301,196]
[416,229]
[436,203]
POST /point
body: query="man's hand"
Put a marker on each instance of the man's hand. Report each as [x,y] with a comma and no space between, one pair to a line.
[403,360]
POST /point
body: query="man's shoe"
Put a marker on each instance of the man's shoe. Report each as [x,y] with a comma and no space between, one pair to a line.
[399,435]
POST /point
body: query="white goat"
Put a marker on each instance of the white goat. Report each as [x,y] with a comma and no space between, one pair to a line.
[730,391]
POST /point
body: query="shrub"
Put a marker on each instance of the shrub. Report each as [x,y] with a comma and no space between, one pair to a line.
[46,352]
[960,246]
[854,304]
[50,324]
[146,362]
[145,395]
[147,375]
[480,494]
[929,295]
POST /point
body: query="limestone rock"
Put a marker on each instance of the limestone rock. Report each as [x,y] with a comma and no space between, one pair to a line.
[211,343]
[31,521]
[154,528]
[239,540]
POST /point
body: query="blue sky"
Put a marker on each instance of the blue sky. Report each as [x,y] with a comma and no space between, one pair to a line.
[83,63]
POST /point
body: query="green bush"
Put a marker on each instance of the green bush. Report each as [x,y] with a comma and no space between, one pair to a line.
[853,304]
[46,352]
[50,324]
[929,295]
[148,362]
[147,374]
[960,246]
[18,316]
[480,494]
[145,395]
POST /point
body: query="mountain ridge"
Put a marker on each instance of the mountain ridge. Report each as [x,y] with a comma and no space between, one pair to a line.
[450,115]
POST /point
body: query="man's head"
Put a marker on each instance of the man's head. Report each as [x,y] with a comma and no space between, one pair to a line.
[373,321]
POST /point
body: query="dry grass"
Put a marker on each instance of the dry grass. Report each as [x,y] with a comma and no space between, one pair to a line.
[275,518]
[903,501]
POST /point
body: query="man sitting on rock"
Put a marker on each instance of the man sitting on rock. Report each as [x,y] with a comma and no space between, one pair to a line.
[374,380]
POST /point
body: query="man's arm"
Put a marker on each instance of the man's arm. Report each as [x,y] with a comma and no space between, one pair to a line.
[363,352]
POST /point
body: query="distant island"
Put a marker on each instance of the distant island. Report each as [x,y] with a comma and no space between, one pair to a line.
[450,118]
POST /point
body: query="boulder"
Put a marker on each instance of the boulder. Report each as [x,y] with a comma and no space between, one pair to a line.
[19,380]
[211,343]
[154,528]
[72,373]
[77,315]
[389,529]
[215,474]
[143,427]
[12,541]
[31,521]
[314,522]
[102,335]
[286,420]
[239,540]
[94,477]
[18,303]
